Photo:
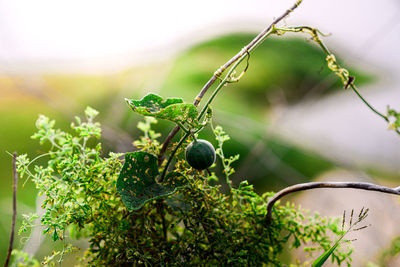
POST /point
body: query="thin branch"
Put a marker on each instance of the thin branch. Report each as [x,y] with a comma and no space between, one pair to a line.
[342,73]
[15,182]
[253,44]
[368,104]
[172,156]
[166,143]
[315,185]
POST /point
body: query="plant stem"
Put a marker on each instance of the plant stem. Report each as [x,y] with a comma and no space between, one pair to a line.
[172,156]
[342,73]
[220,85]
[15,182]
[252,45]
[180,125]
[314,185]
[214,94]
[248,47]
[366,103]
[166,143]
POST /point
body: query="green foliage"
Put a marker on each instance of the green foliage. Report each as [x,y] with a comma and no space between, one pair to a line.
[172,109]
[22,259]
[137,184]
[76,181]
[221,138]
[391,252]
[132,218]
[351,227]
[325,256]
[195,226]
[394,119]
[149,137]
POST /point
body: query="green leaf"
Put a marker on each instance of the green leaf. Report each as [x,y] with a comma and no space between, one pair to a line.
[137,184]
[322,259]
[172,109]
[91,113]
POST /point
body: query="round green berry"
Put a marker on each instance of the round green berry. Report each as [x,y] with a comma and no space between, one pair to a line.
[200,154]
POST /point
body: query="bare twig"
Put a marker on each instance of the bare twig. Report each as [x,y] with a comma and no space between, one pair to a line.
[15,182]
[253,44]
[314,185]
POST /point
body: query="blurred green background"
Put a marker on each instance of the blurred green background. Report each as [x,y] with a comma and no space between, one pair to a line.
[281,72]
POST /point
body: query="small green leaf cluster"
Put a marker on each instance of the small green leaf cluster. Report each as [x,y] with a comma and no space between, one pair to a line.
[394,119]
[390,253]
[194,224]
[221,138]
[23,259]
[149,139]
[77,182]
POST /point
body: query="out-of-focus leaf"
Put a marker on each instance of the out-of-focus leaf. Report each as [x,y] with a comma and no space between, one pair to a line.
[394,119]
[137,180]
[173,109]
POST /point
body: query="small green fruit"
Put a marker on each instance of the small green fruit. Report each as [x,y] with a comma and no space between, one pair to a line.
[200,154]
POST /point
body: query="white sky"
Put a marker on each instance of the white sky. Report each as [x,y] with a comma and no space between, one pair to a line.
[76,35]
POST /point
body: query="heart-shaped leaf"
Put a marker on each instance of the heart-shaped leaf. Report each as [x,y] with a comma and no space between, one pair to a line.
[173,109]
[137,180]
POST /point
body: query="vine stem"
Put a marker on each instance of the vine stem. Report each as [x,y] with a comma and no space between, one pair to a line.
[368,104]
[252,45]
[172,156]
[224,82]
[15,182]
[342,73]
[315,185]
